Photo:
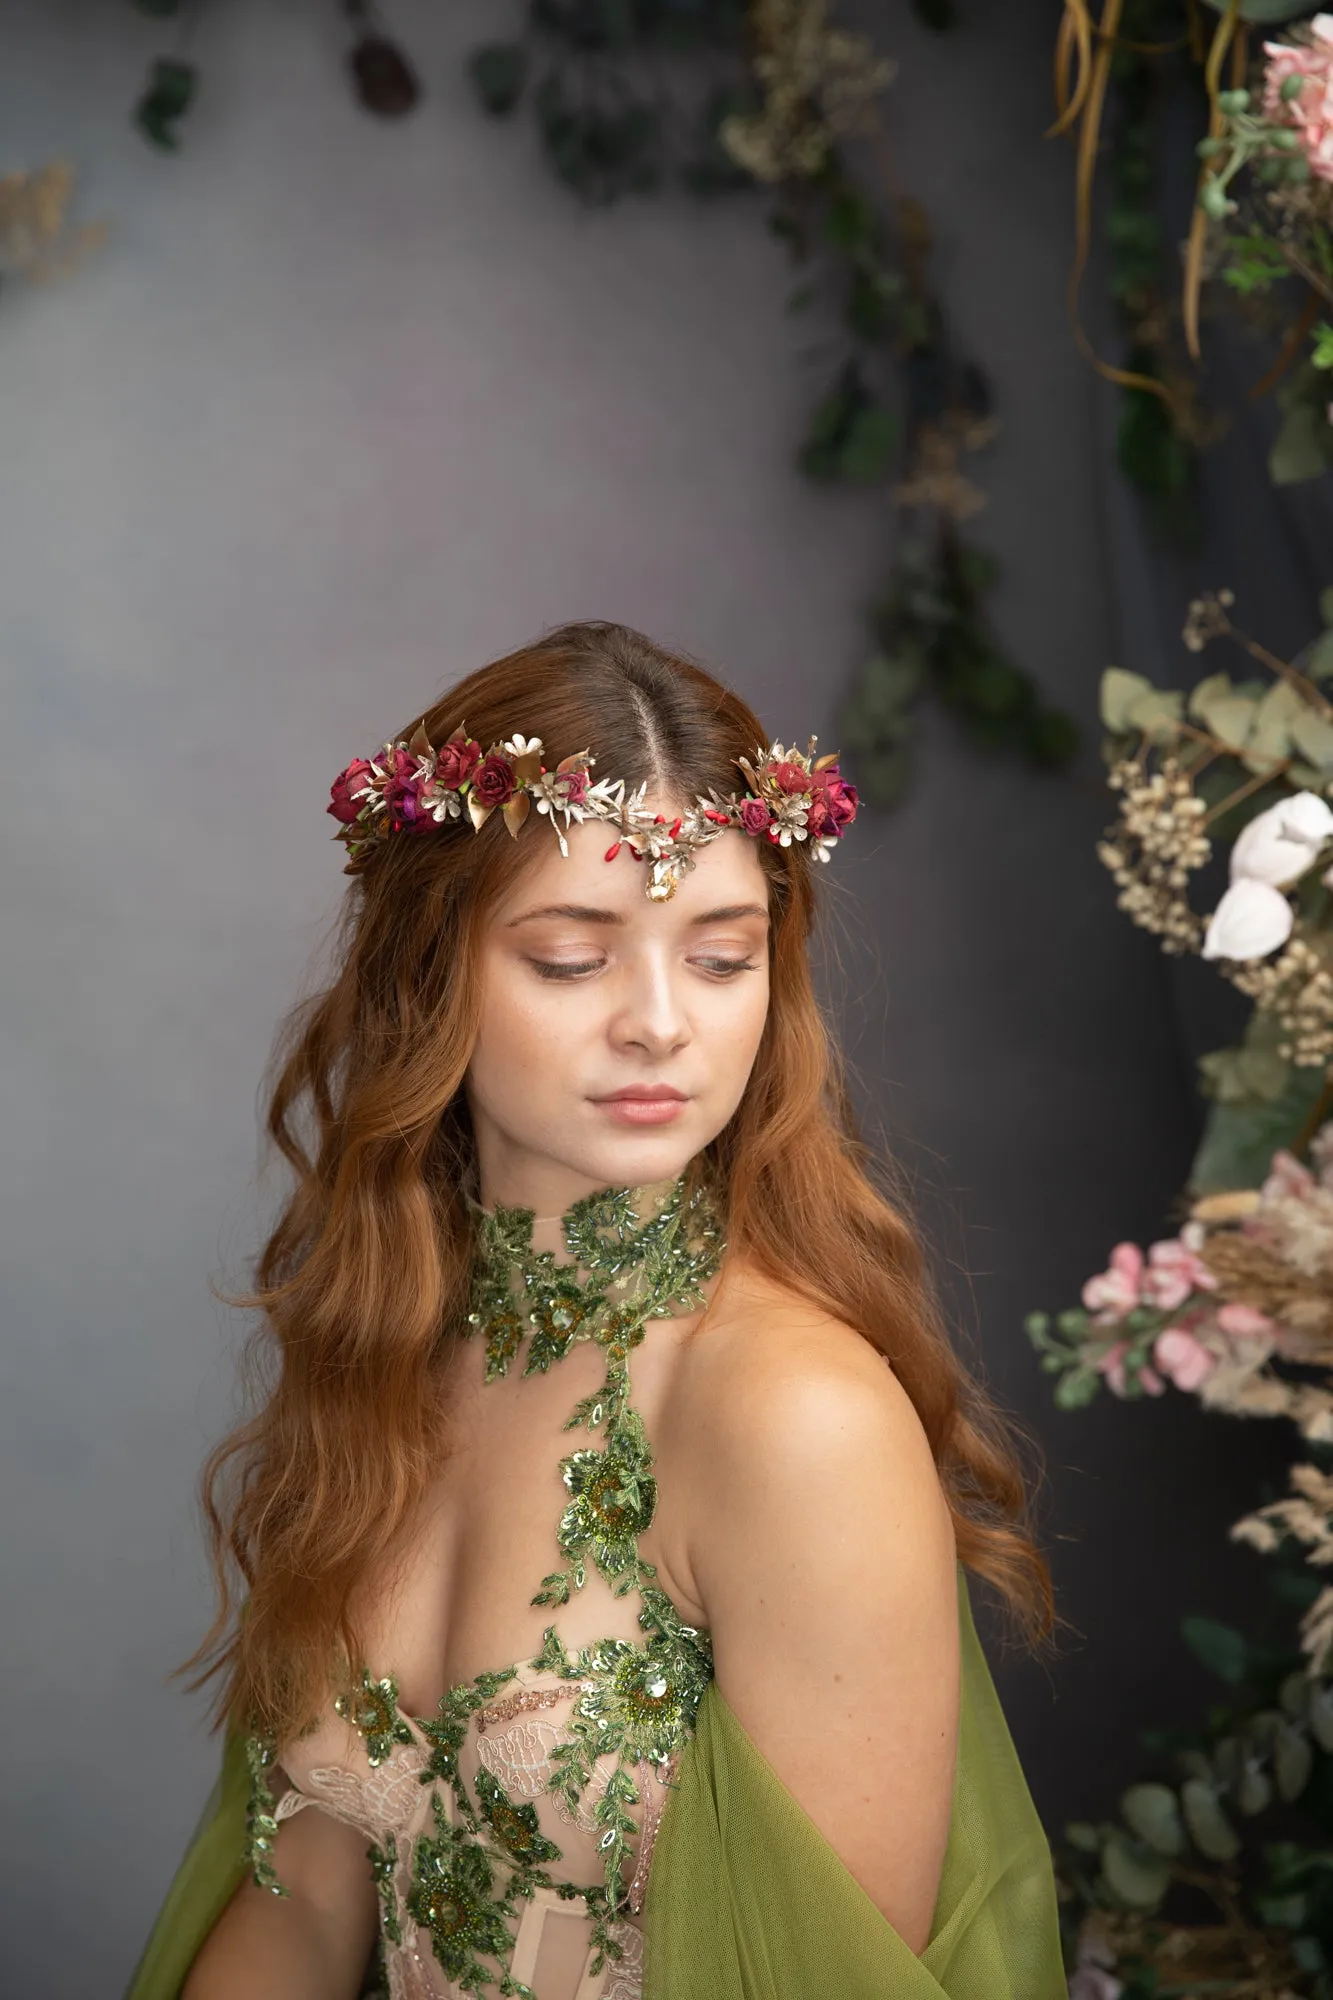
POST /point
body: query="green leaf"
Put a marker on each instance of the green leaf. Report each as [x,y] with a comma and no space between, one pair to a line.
[1321,354]
[1303,447]
[868,450]
[1222,1649]
[172,87]
[1210,1829]
[1051,738]
[1152,1811]
[1120,689]
[1239,1140]
[1077,1388]
[499,71]
[1270,731]
[1227,715]
[1254,264]
[1293,1761]
[1313,736]
[1136,1875]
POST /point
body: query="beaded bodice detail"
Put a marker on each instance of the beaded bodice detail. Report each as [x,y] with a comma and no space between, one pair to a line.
[462,1805]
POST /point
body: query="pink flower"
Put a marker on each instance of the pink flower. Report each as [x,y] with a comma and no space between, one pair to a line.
[1173,1273]
[832,806]
[1310,111]
[493,781]
[1112,1366]
[1287,1177]
[1115,1291]
[342,805]
[1181,1356]
[1244,1322]
[755,816]
[456,761]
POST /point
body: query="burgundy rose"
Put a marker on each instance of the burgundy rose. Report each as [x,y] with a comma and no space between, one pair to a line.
[343,806]
[573,787]
[833,805]
[457,760]
[789,777]
[756,817]
[493,780]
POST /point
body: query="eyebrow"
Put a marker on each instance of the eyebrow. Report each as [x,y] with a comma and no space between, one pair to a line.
[581,913]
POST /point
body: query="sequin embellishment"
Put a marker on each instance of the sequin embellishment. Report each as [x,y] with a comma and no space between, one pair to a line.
[630,1704]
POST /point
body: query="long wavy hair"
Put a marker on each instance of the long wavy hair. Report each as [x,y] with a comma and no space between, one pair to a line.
[361,1285]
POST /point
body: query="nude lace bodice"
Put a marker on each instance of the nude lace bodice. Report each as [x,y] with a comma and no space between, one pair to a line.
[511,1833]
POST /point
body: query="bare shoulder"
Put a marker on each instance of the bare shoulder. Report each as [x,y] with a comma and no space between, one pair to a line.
[779,1389]
[823,1555]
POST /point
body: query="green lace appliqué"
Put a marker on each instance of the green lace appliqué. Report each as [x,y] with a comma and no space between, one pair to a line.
[372,1709]
[636,1701]
[261,1826]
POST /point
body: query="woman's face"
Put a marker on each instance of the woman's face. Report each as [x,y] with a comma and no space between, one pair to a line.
[617,1034]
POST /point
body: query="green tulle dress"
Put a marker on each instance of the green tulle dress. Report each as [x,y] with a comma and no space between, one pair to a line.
[745,1899]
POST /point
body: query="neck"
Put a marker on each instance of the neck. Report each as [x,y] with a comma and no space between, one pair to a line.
[509,1177]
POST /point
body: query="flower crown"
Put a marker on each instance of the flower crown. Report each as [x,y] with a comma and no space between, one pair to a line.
[410,787]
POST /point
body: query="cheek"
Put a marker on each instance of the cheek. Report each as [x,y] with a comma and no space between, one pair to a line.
[527,1043]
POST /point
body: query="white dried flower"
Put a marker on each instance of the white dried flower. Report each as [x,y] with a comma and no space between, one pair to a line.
[1251,920]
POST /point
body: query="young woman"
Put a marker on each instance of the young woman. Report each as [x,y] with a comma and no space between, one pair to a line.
[604,1534]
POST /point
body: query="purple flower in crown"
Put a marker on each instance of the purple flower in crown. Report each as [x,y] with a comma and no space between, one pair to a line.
[832,805]
[403,794]
[341,802]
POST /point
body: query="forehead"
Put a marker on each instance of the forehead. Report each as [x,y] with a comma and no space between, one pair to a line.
[726,872]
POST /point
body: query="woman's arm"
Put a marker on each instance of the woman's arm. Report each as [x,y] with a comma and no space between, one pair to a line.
[310,1945]
[824,1554]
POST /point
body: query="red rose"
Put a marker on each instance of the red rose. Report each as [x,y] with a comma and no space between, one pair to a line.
[789,777]
[755,816]
[343,806]
[456,761]
[493,780]
[833,805]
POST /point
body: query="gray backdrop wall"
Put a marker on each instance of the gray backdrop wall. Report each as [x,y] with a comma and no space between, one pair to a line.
[340,411]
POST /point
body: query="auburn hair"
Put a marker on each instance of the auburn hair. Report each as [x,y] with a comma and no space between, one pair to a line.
[363,1280]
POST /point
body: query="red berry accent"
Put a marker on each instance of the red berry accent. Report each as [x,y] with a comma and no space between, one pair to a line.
[612,851]
[675,827]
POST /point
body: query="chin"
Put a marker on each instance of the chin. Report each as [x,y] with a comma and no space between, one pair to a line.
[633,1159]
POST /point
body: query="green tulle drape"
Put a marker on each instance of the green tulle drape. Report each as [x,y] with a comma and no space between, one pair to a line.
[746,1898]
[748,1901]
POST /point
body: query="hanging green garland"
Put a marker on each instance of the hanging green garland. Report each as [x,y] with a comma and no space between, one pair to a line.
[775,87]
[632,97]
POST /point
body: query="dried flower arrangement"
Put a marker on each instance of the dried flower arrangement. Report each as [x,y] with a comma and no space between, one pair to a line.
[1235,1309]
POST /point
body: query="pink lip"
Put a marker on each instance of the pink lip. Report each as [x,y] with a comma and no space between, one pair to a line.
[643,1104]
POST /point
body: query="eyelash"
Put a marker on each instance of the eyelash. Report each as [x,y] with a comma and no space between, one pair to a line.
[721,968]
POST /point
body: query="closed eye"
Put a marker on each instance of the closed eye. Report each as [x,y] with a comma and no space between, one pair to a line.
[725,967]
[562,968]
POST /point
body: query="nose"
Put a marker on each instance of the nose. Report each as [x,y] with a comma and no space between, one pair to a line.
[653,1017]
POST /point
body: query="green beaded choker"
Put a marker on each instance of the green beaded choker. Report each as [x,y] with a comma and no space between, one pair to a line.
[639,1254]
